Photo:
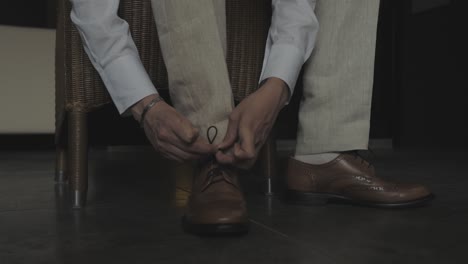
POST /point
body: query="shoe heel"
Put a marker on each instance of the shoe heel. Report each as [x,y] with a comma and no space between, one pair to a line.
[306,198]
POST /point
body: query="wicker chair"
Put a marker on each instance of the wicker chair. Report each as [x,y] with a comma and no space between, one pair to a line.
[79,89]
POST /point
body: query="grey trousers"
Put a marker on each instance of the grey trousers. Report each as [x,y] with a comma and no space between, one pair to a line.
[335,112]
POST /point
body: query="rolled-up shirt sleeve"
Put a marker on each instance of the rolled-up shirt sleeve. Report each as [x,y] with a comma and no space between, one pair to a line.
[290,41]
[108,42]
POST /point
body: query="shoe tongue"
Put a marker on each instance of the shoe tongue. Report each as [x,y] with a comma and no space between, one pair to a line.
[206,167]
[216,176]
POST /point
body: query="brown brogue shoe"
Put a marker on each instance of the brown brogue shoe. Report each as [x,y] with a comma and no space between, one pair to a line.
[349,179]
[216,205]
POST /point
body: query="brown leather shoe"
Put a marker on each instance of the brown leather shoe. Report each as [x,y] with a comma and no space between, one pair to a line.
[349,179]
[216,205]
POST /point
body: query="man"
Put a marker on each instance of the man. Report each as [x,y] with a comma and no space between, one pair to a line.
[334,115]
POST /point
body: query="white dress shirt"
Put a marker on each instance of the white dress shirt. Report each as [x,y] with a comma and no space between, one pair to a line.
[110,47]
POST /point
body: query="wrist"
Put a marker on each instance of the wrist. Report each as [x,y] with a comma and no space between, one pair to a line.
[280,88]
[138,108]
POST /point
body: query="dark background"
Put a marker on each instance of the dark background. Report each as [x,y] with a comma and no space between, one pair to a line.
[28,13]
[420,87]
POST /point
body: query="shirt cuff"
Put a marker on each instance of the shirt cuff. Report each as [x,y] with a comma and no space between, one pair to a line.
[127,82]
[284,62]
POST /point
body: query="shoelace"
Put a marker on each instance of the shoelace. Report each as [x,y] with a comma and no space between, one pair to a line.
[209,137]
[216,174]
[364,160]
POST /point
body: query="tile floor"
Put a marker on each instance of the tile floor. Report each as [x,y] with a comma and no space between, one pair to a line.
[136,200]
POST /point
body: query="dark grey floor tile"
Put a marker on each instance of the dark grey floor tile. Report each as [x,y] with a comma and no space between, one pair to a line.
[135,202]
[132,235]
[431,234]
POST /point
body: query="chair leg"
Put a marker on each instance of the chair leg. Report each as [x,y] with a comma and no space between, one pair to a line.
[78,157]
[61,176]
[268,163]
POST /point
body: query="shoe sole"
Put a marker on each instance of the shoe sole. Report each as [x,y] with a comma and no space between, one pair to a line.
[310,198]
[233,229]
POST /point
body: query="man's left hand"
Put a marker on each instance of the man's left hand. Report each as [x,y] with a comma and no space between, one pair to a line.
[250,124]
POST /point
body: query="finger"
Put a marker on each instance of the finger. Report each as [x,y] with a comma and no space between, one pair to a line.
[199,147]
[171,157]
[179,153]
[238,152]
[261,136]
[185,131]
[225,158]
[243,163]
[231,134]
[246,148]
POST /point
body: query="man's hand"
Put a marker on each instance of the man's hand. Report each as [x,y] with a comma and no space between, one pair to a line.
[170,133]
[250,123]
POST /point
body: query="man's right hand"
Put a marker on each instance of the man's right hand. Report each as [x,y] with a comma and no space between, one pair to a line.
[170,133]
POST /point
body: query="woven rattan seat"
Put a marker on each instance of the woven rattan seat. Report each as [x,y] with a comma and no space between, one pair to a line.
[79,89]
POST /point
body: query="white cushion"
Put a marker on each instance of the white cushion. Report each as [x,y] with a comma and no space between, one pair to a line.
[27,97]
